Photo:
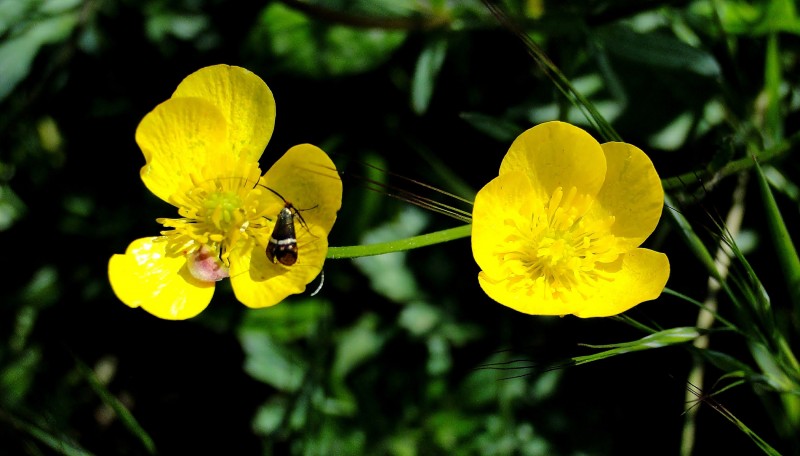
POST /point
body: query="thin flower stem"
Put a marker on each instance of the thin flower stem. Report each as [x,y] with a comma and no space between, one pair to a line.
[400,245]
[733,167]
[706,316]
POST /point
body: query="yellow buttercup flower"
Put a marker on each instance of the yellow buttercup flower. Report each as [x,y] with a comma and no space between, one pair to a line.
[201,149]
[558,231]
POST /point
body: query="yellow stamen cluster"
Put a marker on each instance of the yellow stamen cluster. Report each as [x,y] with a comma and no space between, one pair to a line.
[557,248]
[217,213]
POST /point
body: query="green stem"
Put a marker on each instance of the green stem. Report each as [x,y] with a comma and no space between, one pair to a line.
[733,167]
[400,245]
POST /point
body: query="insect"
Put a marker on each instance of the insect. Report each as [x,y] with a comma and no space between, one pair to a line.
[282,247]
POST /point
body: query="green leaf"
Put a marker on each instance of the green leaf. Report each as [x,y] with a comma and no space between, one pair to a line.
[502,130]
[12,13]
[269,417]
[691,238]
[389,274]
[286,324]
[660,339]
[428,66]
[419,318]
[315,49]
[16,376]
[357,344]
[59,444]
[658,50]
[125,415]
[782,240]
[17,53]
[726,362]
[270,362]
[773,118]
[742,17]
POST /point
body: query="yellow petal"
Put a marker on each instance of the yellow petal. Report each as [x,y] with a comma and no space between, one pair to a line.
[557,154]
[531,300]
[178,138]
[146,277]
[307,178]
[501,206]
[258,282]
[640,276]
[244,100]
[632,193]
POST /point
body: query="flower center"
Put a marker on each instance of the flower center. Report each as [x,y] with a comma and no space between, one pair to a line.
[222,210]
[557,247]
[217,212]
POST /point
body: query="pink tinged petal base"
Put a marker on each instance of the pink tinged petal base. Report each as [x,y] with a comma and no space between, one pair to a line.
[146,277]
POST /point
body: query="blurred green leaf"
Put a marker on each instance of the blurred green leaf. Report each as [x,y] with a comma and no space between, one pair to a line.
[183,26]
[125,415]
[357,344]
[289,323]
[269,417]
[774,374]
[782,240]
[60,444]
[59,6]
[773,115]
[269,362]
[673,135]
[388,274]
[354,346]
[311,48]
[781,183]
[727,363]
[18,51]
[11,207]
[12,13]
[658,50]
[439,359]
[741,17]
[691,238]
[498,377]
[450,427]
[428,66]
[43,288]
[502,130]
[419,318]
[16,376]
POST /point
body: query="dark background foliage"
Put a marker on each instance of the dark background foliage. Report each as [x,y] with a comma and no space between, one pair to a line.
[433,91]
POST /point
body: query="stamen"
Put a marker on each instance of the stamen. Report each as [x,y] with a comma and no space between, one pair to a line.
[557,249]
[217,213]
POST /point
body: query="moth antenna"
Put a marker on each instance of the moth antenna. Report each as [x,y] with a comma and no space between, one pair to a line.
[321,282]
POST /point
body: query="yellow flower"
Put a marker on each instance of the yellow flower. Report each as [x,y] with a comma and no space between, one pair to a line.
[558,231]
[201,149]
